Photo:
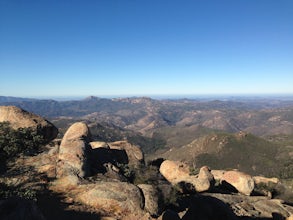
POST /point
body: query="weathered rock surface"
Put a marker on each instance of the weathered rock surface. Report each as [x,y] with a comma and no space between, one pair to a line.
[265,180]
[177,172]
[99,144]
[218,174]
[174,171]
[134,154]
[240,181]
[151,199]
[118,198]
[254,206]
[73,157]
[19,118]
[204,180]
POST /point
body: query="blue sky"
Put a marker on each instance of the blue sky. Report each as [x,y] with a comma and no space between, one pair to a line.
[145,47]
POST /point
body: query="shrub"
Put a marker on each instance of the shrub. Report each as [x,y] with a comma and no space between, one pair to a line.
[7,191]
[15,142]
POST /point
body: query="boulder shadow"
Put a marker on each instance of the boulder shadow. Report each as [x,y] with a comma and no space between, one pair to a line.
[208,208]
[101,156]
[52,207]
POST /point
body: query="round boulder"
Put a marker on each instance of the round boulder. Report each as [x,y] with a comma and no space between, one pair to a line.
[174,171]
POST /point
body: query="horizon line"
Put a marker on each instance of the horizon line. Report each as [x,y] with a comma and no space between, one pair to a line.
[159,96]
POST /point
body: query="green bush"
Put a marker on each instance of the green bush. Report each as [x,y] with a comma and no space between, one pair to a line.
[13,142]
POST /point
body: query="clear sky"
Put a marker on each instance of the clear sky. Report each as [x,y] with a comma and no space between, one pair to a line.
[145,47]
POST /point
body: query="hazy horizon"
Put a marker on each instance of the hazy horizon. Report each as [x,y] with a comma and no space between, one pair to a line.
[164,96]
[77,48]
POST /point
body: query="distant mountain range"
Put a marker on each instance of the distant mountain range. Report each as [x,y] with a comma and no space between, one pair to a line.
[187,129]
[146,115]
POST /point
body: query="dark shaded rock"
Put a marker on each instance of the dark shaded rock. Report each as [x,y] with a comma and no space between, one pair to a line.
[169,215]
[19,209]
[208,208]
[151,199]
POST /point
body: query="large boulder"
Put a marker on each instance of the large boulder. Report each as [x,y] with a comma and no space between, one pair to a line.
[74,151]
[178,173]
[118,198]
[134,154]
[174,171]
[242,182]
[19,118]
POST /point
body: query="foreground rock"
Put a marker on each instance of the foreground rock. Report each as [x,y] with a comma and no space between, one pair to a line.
[108,198]
[151,198]
[73,157]
[242,182]
[19,118]
[209,208]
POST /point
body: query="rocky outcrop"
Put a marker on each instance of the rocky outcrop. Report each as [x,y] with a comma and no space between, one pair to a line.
[178,173]
[73,157]
[19,118]
[113,195]
[253,207]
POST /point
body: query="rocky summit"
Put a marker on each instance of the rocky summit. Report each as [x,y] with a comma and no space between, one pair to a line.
[81,178]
